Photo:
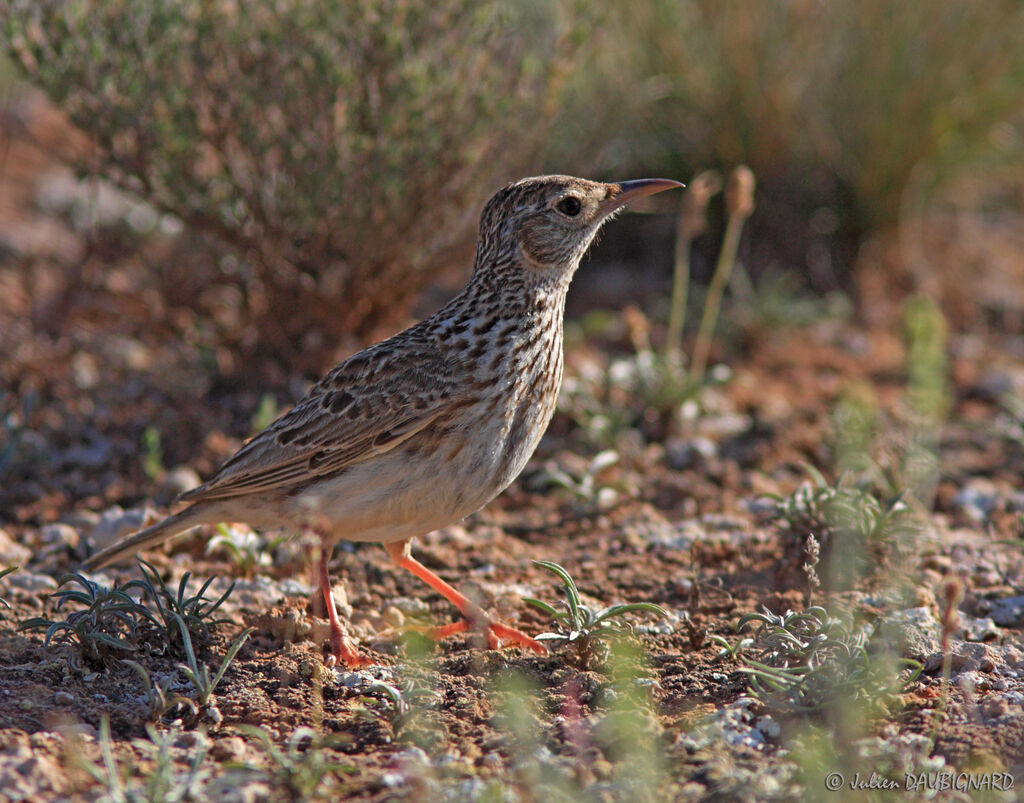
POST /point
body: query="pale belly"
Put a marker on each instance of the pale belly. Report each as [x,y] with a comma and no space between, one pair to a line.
[411,491]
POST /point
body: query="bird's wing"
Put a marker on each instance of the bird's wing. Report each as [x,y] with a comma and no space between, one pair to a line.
[367,405]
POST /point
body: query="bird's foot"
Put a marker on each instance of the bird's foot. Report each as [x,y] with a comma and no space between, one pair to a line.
[497,634]
[344,652]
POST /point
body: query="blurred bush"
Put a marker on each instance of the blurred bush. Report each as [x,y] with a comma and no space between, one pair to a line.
[342,147]
[880,93]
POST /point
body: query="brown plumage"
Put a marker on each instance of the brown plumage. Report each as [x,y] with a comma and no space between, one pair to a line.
[422,429]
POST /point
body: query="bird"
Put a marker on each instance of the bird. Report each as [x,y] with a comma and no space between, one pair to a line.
[418,431]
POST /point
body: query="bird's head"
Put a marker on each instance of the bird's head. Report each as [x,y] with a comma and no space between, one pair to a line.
[544,225]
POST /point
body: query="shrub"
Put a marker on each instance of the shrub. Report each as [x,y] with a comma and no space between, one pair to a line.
[340,147]
[885,94]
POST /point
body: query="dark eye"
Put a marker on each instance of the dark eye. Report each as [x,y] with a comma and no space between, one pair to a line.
[570,205]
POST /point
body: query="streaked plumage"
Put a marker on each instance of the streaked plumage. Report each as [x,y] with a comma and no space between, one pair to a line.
[422,429]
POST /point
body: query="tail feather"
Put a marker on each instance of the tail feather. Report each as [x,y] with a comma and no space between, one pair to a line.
[151,536]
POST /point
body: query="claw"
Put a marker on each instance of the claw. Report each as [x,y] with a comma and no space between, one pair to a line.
[500,633]
[497,634]
[475,617]
[344,652]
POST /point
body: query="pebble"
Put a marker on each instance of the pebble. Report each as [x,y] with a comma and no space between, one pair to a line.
[177,481]
[994,707]
[979,629]
[60,534]
[943,564]
[689,454]
[24,774]
[11,552]
[63,698]
[394,617]
[768,726]
[30,582]
[230,748]
[295,588]
[1008,611]
[977,500]
[915,631]
[114,523]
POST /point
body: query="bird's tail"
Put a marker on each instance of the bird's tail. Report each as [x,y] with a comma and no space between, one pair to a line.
[151,536]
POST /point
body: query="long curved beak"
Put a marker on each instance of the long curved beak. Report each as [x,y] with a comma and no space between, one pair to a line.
[629,191]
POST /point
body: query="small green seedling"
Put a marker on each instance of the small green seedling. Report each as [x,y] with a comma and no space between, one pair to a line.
[266,413]
[152,454]
[843,508]
[3,574]
[198,675]
[585,487]
[163,780]
[303,767]
[108,621]
[581,627]
[159,699]
[172,609]
[245,548]
[809,659]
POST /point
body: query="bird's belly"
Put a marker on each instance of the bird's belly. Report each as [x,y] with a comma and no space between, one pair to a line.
[432,480]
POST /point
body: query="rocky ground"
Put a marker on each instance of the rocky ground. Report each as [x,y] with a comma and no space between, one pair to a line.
[910,675]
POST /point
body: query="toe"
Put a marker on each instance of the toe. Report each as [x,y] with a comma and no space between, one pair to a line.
[503,633]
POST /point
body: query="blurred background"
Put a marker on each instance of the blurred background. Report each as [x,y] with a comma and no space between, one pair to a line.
[203,205]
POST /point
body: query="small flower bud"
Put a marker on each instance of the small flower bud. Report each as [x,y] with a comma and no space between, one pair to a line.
[739,192]
[693,216]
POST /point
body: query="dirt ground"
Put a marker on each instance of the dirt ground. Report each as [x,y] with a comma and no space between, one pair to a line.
[98,352]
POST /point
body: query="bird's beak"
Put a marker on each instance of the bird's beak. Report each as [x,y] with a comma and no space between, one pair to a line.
[628,191]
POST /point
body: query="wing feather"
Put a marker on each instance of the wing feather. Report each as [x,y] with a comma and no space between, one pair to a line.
[366,406]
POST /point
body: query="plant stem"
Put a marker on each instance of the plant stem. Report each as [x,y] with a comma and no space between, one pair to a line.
[723,269]
[691,223]
[680,293]
[740,203]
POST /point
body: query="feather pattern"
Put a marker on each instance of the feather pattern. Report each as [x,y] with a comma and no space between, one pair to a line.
[425,427]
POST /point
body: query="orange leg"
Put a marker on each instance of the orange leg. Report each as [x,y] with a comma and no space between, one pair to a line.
[342,649]
[475,615]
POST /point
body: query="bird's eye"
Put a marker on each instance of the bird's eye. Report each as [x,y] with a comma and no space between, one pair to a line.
[570,205]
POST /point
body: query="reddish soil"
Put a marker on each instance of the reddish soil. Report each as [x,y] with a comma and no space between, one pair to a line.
[99,349]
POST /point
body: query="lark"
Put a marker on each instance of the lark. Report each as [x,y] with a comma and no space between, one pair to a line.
[420,430]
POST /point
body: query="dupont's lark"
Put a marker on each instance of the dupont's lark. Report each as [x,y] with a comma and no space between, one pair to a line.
[424,428]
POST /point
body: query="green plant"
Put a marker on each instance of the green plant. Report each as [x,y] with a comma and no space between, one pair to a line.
[159,699]
[163,781]
[808,659]
[335,146]
[12,430]
[690,224]
[303,768]
[739,203]
[152,454]
[584,629]
[246,548]
[642,392]
[616,723]
[779,298]
[108,622]
[880,95]
[173,610]
[585,486]
[112,619]
[200,676]
[266,413]
[3,574]
[927,395]
[1010,419]
[630,733]
[847,517]
[952,596]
